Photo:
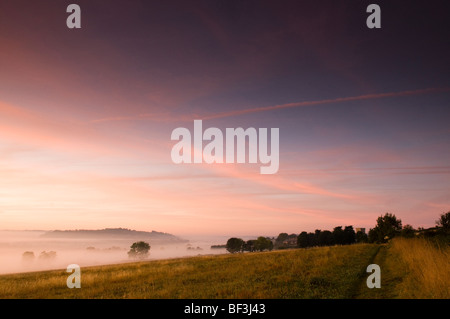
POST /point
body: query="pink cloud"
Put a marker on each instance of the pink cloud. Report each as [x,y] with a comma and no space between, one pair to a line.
[28,128]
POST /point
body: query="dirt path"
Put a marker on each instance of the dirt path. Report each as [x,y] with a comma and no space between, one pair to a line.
[391,276]
[360,288]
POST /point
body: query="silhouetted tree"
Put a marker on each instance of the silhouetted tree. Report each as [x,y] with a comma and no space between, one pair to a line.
[317,233]
[312,240]
[302,240]
[326,238]
[249,245]
[139,250]
[444,222]
[388,226]
[361,237]
[338,235]
[349,235]
[235,245]
[408,231]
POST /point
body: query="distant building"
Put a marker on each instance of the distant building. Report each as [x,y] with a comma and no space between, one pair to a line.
[362,230]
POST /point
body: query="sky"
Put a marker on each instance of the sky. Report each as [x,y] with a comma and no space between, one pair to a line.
[86,115]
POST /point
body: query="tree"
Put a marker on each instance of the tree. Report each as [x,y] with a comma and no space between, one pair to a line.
[235,245]
[326,238]
[373,235]
[263,243]
[249,245]
[139,250]
[50,255]
[317,233]
[444,221]
[349,235]
[361,237]
[388,226]
[312,240]
[408,231]
[338,235]
[28,256]
[302,240]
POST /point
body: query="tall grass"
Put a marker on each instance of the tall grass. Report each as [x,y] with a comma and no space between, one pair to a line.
[427,267]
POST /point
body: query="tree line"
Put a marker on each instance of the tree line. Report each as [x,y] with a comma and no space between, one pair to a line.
[235,245]
[387,227]
[338,236]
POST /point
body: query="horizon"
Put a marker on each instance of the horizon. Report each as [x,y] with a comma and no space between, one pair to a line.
[211,235]
[86,115]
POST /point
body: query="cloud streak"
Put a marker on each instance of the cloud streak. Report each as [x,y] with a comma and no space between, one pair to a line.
[184,118]
[326,101]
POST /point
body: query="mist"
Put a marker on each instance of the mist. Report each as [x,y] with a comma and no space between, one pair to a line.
[27,251]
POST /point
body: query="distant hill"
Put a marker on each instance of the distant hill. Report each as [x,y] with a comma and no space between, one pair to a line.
[114,233]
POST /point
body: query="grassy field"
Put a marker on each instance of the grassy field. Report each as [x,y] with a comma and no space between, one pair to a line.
[423,268]
[409,269]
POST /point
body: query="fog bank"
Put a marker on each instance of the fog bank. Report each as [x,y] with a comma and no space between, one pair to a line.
[25,251]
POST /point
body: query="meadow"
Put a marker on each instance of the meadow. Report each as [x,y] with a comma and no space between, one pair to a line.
[410,268]
[416,268]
